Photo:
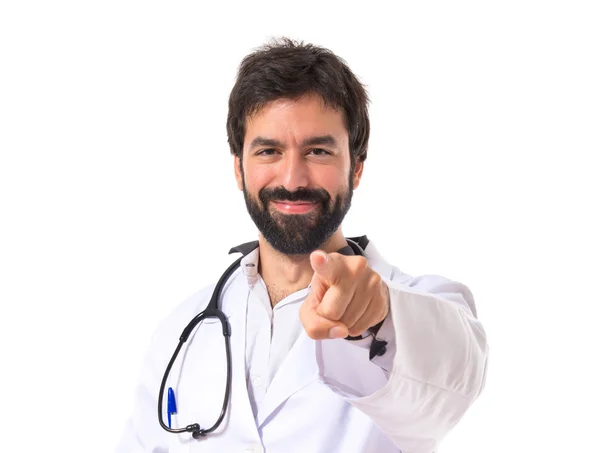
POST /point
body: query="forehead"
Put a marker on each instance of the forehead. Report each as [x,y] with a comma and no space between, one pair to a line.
[296,119]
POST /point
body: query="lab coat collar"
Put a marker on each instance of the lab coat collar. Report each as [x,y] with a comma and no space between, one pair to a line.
[244,248]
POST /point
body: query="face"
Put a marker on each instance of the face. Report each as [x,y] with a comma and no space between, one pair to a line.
[296,173]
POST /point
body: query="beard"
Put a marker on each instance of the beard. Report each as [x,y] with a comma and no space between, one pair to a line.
[297,234]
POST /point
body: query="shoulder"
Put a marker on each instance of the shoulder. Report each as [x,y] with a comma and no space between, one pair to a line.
[170,328]
[173,324]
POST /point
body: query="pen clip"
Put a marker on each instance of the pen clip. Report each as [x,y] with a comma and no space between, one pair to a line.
[171,405]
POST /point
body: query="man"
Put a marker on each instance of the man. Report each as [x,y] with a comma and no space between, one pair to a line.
[331,351]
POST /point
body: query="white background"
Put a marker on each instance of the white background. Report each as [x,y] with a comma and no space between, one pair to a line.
[118,198]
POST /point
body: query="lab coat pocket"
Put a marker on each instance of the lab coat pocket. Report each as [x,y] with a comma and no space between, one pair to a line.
[181,443]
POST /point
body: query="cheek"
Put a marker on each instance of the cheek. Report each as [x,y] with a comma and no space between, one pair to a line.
[257,178]
[334,181]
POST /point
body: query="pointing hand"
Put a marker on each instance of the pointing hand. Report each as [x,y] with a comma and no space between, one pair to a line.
[346,297]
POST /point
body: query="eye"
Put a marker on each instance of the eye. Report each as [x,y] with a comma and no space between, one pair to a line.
[266,152]
[320,152]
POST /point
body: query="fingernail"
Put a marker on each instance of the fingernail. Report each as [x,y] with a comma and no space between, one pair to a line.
[337,332]
[322,254]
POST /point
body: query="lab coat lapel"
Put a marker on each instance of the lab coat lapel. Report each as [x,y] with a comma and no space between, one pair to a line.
[236,301]
[298,370]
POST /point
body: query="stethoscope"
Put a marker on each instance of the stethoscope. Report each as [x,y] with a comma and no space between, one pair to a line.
[212,311]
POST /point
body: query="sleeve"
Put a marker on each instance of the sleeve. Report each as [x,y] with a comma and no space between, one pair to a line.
[381,345]
[433,368]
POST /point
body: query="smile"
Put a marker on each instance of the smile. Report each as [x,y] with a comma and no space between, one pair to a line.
[295,207]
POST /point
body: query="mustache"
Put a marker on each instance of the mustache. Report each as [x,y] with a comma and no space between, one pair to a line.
[302,194]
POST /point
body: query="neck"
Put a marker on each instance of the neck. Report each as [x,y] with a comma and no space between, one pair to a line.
[286,274]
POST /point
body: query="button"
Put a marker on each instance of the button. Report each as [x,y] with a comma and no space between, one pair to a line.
[250,270]
[257,381]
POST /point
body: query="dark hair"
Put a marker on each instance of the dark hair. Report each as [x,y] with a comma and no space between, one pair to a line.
[288,69]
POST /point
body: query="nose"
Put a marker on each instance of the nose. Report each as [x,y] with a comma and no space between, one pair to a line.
[294,172]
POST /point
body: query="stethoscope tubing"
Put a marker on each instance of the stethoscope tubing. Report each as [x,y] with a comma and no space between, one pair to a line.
[212,311]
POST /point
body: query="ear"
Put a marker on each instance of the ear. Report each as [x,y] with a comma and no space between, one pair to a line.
[238,172]
[358,171]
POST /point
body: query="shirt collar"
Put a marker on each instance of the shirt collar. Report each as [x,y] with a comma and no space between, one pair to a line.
[249,263]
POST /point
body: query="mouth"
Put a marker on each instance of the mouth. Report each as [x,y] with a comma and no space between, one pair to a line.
[295,207]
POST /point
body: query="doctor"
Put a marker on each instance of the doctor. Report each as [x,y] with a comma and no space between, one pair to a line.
[333,349]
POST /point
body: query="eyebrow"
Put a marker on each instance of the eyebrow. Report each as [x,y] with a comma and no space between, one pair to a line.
[311,141]
[320,140]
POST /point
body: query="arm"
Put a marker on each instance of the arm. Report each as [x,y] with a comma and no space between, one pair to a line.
[431,372]
[438,368]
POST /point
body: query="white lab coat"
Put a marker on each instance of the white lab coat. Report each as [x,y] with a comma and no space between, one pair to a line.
[327,396]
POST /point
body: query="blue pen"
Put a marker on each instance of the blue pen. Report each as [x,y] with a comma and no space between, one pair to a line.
[171,405]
